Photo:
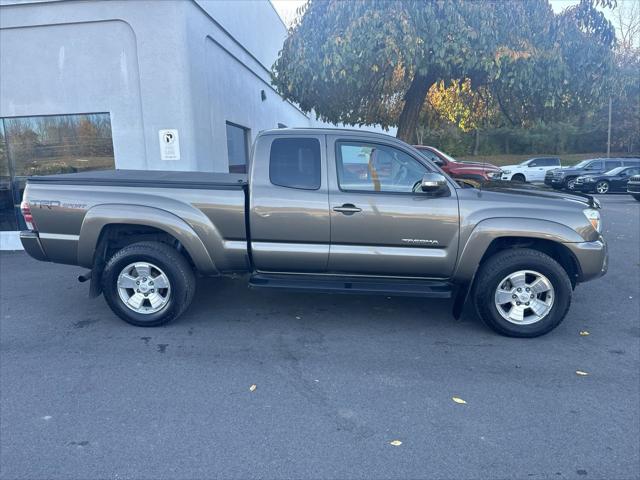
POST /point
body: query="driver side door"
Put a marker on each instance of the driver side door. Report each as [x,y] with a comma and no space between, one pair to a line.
[379,224]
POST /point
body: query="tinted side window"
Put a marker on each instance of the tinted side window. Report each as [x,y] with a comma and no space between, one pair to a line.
[430,155]
[595,165]
[631,161]
[376,168]
[633,171]
[611,164]
[295,163]
[548,162]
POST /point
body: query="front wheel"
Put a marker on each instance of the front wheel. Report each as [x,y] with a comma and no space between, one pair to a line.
[522,293]
[602,187]
[637,197]
[518,178]
[148,284]
[571,184]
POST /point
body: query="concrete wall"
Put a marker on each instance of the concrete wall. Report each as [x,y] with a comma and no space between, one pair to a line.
[189,65]
[152,65]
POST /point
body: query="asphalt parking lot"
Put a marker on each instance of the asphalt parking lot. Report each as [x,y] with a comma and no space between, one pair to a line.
[84,395]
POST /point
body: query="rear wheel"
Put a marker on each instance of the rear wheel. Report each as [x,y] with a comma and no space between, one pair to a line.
[148,284]
[518,177]
[602,187]
[522,293]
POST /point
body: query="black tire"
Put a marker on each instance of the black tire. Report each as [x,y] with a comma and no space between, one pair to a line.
[518,178]
[637,197]
[506,262]
[174,265]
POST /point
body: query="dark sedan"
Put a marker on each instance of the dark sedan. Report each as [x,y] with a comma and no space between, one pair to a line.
[612,181]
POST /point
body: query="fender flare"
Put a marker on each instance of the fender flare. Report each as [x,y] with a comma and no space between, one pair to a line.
[491,229]
[100,216]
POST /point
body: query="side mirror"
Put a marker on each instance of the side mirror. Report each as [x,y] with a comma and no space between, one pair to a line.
[433,182]
[438,162]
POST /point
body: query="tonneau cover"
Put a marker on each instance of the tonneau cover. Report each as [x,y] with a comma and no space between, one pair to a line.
[148,178]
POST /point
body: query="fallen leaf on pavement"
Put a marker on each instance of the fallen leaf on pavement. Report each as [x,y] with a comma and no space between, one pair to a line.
[458,400]
[581,373]
[252,387]
[396,443]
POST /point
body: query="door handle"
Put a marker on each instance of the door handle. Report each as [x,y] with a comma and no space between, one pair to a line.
[347,209]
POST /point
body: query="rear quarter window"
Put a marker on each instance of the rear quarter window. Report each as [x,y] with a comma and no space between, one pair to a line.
[295,163]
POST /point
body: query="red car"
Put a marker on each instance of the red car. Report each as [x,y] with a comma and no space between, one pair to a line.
[463,170]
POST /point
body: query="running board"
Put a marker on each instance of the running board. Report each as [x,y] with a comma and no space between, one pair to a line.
[357,285]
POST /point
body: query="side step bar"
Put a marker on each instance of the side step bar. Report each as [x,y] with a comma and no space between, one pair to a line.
[356,285]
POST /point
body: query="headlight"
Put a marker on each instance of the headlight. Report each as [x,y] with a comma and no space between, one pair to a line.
[506,171]
[594,218]
[589,179]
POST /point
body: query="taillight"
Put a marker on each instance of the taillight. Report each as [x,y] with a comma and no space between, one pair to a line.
[26,213]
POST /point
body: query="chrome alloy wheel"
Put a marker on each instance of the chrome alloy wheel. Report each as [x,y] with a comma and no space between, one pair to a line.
[571,184]
[602,186]
[524,297]
[144,288]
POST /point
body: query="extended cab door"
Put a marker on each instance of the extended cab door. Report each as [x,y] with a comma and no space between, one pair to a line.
[379,224]
[289,204]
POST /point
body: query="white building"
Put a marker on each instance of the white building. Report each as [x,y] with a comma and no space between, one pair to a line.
[96,85]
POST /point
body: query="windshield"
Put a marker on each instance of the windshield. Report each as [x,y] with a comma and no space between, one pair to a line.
[582,164]
[448,157]
[526,161]
[615,171]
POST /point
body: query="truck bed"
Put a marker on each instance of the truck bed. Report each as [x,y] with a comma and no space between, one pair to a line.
[149,178]
[205,212]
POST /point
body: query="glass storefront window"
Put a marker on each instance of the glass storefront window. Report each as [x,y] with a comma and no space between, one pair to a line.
[7,214]
[47,145]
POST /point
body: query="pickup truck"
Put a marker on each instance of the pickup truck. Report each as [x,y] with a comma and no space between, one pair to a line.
[324,210]
[475,171]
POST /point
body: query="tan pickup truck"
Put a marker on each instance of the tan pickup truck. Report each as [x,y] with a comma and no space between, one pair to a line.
[327,210]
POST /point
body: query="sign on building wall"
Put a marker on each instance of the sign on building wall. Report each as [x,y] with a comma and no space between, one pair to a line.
[169,144]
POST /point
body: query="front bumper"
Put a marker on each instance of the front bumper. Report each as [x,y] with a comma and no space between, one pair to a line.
[31,243]
[585,187]
[592,257]
[555,182]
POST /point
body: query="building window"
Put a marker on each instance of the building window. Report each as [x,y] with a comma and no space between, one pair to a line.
[48,145]
[295,163]
[237,148]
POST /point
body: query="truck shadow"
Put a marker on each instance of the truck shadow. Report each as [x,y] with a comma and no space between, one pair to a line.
[229,301]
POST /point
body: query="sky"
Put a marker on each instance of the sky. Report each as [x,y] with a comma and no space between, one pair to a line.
[287,8]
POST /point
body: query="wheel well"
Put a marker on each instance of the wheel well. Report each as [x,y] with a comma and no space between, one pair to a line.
[114,237]
[555,250]
[518,175]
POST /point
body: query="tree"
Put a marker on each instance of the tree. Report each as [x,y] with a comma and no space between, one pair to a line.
[365,62]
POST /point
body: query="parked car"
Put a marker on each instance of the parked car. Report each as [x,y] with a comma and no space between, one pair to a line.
[612,181]
[566,177]
[322,210]
[633,187]
[532,170]
[477,171]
